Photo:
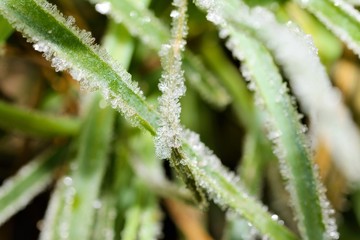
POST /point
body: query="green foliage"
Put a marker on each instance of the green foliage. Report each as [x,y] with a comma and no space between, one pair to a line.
[113,187]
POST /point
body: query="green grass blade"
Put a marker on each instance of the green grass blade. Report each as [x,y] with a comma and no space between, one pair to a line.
[226,189]
[340,17]
[39,20]
[313,87]
[284,128]
[36,123]
[78,194]
[71,49]
[251,171]
[285,131]
[104,226]
[119,43]
[17,191]
[142,23]
[5,32]
[133,218]
[232,81]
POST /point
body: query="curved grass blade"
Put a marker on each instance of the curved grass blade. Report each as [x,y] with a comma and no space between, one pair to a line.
[329,46]
[30,15]
[291,147]
[340,17]
[17,191]
[284,127]
[142,23]
[311,84]
[69,48]
[226,189]
[81,187]
[36,123]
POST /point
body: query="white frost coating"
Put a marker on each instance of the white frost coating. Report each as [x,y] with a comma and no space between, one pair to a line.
[298,57]
[310,83]
[294,51]
[172,85]
[204,163]
[353,2]
[341,33]
[89,79]
[26,196]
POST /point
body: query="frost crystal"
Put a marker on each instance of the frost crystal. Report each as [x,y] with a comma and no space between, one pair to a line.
[297,54]
[116,85]
[172,85]
[103,8]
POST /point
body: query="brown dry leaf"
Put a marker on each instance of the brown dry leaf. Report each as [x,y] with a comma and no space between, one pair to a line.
[188,219]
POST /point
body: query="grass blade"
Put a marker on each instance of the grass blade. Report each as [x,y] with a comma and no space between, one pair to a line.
[17,191]
[70,49]
[291,148]
[6,31]
[143,24]
[340,17]
[82,185]
[39,18]
[172,84]
[283,125]
[36,123]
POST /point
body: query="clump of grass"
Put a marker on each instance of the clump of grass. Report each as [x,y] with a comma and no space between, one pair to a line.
[107,159]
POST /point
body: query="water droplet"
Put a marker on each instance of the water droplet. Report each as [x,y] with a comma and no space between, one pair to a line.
[68,181]
[133,14]
[103,7]
[97,204]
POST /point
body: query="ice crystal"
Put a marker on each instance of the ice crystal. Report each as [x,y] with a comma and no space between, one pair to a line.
[89,79]
[103,7]
[172,85]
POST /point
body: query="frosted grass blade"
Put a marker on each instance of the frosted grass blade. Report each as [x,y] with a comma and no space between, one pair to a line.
[38,20]
[17,191]
[69,48]
[172,84]
[226,190]
[142,23]
[36,123]
[311,85]
[340,17]
[284,128]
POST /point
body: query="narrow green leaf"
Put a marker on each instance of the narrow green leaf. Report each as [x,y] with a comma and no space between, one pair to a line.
[142,23]
[70,49]
[104,225]
[35,21]
[226,189]
[285,131]
[232,81]
[340,17]
[79,191]
[284,128]
[132,224]
[17,191]
[36,123]
[5,32]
